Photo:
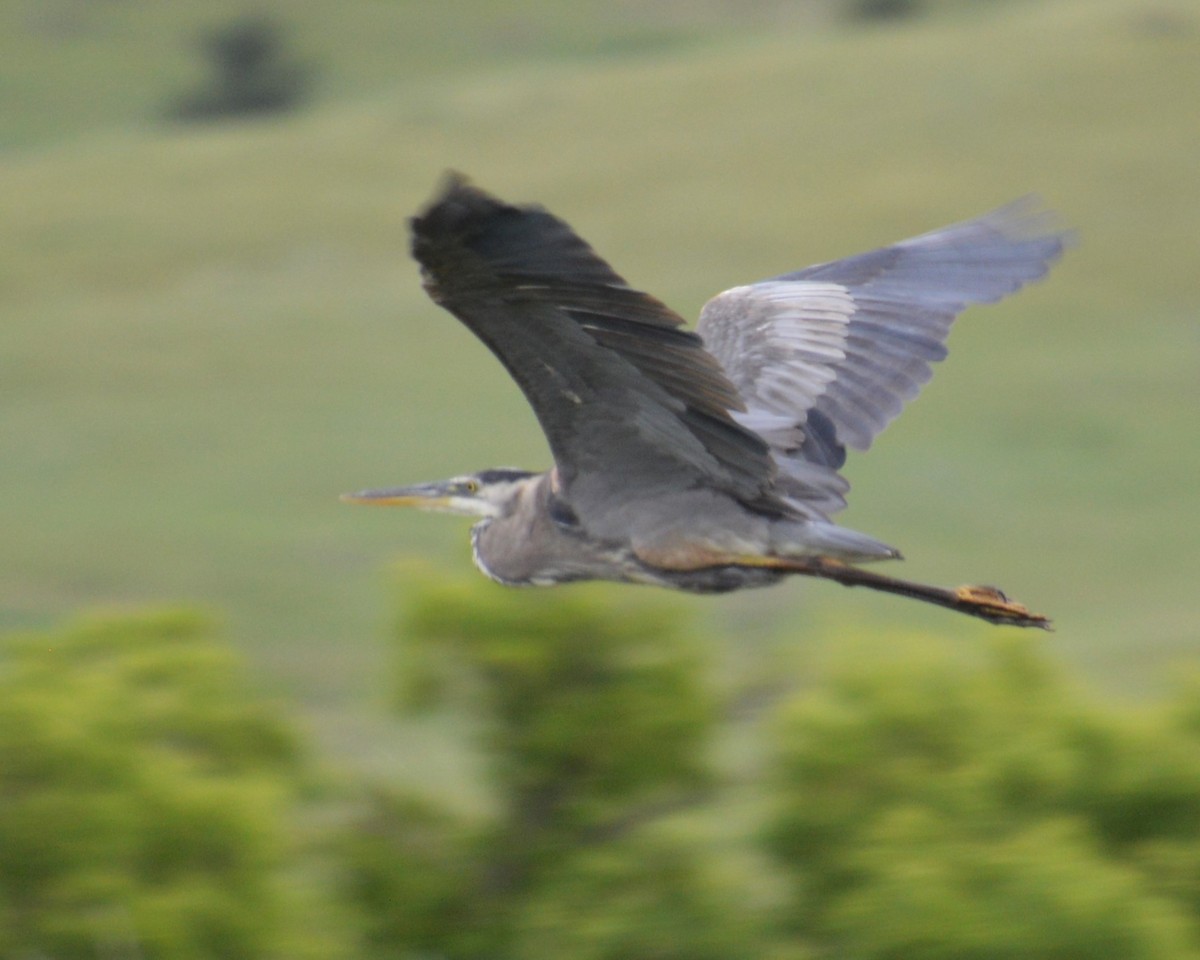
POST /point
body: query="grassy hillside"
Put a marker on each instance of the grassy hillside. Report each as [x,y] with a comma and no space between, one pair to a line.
[212,331]
[71,67]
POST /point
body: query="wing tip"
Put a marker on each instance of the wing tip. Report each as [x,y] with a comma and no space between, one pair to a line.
[1029,219]
[455,200]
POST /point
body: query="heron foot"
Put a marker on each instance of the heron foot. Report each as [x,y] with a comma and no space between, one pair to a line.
[991,604]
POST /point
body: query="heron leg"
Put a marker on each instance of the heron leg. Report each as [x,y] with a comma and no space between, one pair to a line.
[987,603]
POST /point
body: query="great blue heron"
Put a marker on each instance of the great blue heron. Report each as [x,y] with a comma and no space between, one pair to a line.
[703,461]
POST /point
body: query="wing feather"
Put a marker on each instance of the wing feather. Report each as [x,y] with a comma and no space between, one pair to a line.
[826,357]
[630,403]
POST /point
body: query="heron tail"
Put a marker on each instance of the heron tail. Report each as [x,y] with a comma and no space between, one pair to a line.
[809,538]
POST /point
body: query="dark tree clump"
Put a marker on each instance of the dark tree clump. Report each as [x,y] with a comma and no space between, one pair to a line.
[868,10]
[251,74]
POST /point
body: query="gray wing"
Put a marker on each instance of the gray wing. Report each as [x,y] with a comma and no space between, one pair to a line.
[826,357]
[631,404]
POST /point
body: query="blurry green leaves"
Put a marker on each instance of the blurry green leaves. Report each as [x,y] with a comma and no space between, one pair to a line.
[929,892]
[410,872]
[931,808]
[600,705]
[594,720]
[923,800]
[143,794]
[658,893]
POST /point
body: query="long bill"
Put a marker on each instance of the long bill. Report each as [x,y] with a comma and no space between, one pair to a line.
[426,496]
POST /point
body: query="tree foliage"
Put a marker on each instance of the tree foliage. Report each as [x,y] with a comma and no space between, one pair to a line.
[594,723]
[929,808]
[250,74]
[924,802]
[921,800]
[143,795]
[585,711]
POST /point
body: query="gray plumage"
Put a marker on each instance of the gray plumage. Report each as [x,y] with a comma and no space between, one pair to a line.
[824,358]
[703,461]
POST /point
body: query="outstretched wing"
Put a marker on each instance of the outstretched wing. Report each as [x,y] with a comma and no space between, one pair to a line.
[826,357]
[631,404]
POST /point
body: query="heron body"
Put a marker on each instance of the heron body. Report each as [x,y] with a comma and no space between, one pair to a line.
[703,461]
[535,539]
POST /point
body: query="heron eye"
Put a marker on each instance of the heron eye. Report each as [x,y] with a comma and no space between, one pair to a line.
[471,486]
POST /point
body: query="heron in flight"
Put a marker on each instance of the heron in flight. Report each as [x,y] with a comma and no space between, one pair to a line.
[703,461]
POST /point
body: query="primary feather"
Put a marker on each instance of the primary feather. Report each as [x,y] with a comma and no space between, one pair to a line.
[824,358]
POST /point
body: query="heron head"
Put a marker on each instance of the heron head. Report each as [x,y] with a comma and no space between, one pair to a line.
[486,494]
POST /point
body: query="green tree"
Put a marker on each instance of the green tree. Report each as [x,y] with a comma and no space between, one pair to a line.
[926,802]
[251,74]
[928,807]
[658,893]
[594,722]
[144,795]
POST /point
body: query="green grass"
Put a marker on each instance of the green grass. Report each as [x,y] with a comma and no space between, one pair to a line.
[69,67]
[210,332]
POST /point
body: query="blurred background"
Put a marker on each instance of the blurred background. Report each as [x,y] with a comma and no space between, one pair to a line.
[212,328]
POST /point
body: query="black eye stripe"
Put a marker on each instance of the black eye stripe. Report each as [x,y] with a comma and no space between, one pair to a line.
[502,475]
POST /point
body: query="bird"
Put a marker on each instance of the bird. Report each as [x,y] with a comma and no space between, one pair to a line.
[703,461]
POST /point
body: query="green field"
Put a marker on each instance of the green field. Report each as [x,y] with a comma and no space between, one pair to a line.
[211,331]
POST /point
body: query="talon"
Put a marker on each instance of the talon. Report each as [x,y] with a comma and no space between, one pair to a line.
[972,593]
[992,604]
